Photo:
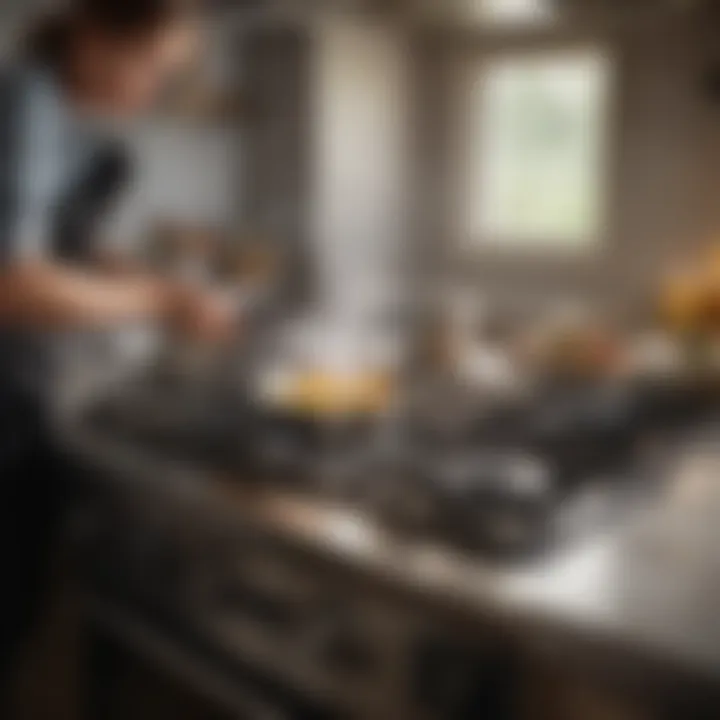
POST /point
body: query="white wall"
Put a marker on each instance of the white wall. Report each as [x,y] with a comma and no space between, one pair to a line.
[184,173]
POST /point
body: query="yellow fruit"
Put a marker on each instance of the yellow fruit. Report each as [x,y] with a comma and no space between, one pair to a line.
[682,302]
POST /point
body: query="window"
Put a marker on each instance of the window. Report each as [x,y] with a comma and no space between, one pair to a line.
[537,150]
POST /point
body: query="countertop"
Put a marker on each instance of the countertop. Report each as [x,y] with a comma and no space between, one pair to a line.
[649,587]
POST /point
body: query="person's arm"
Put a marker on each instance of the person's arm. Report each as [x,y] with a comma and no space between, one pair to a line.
[52,295]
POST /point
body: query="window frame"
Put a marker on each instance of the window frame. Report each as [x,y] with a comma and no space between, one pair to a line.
[473,246]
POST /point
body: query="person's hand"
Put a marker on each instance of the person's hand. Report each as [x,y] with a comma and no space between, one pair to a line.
[201,315]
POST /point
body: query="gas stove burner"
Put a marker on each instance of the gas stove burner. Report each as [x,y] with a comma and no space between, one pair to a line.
[483,472]
[495,500]
[498,480]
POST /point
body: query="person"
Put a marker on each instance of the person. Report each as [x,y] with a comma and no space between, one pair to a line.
[94,60]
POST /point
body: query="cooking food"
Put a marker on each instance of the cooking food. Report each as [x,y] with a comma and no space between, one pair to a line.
[318,393]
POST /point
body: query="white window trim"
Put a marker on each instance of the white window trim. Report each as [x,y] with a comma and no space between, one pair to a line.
[462,127]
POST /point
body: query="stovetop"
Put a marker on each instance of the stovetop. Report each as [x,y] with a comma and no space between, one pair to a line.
[509,481]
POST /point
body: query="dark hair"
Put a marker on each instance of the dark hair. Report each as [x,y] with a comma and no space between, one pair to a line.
[129,18]
[48,40]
